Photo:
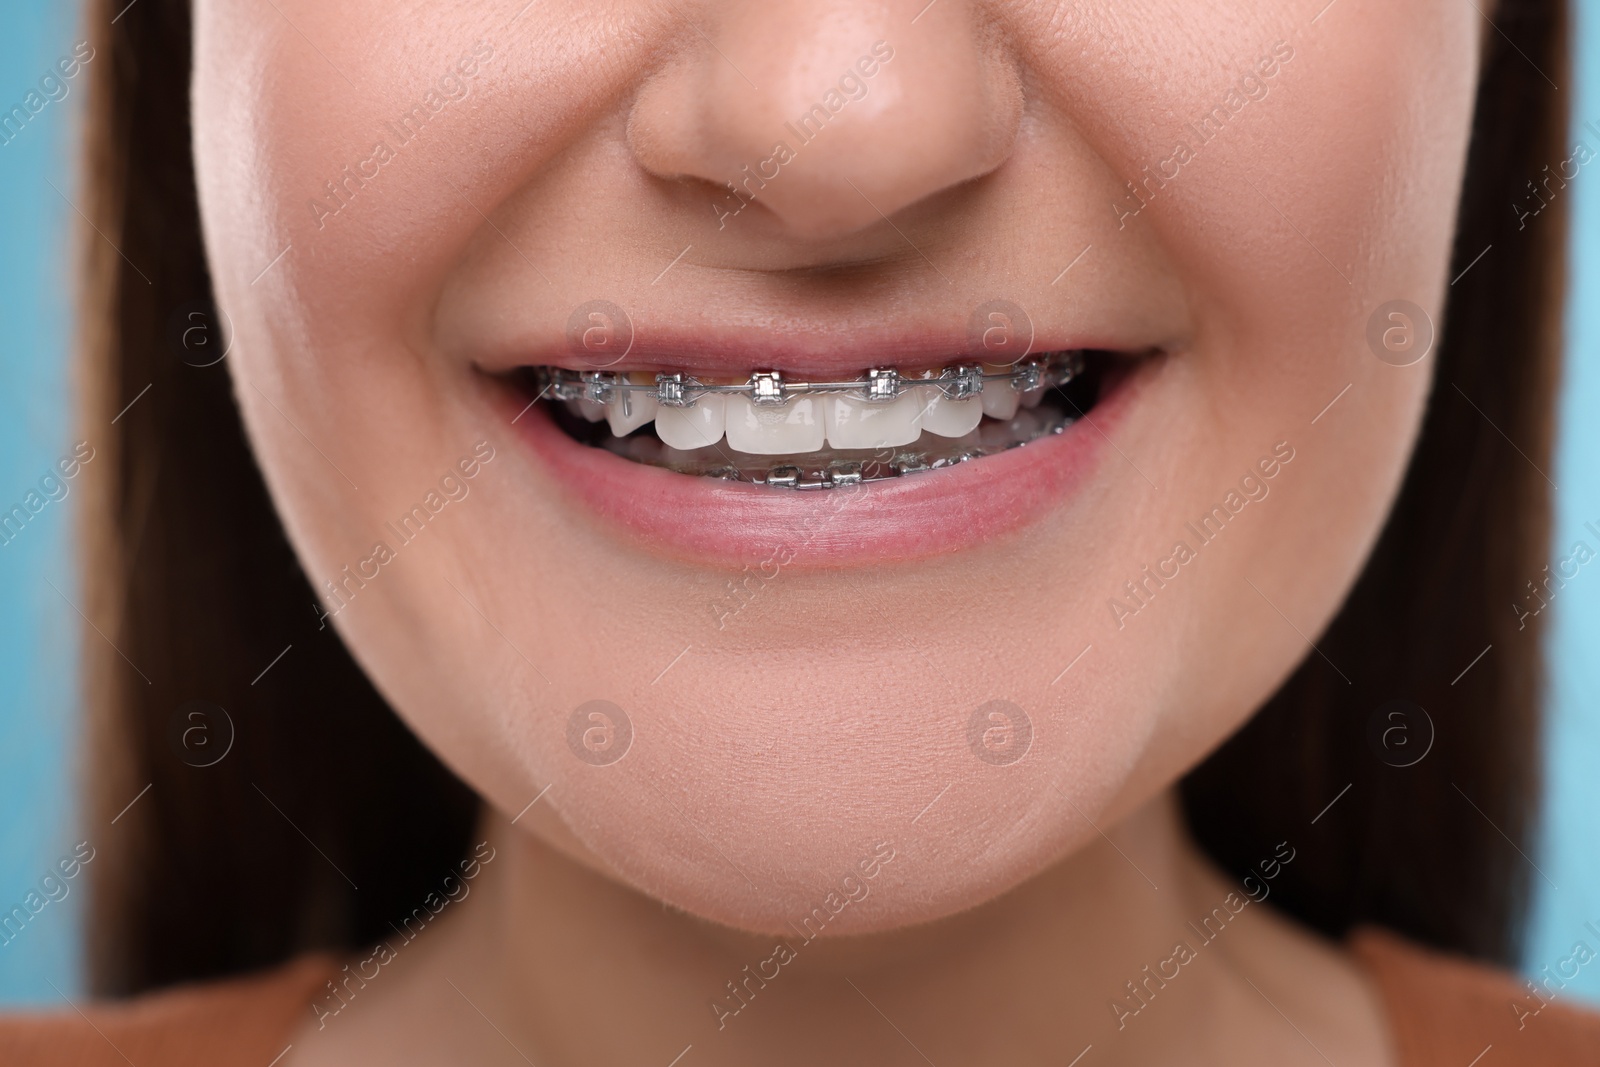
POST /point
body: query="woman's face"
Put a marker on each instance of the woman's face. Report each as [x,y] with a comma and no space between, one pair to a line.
[974,666]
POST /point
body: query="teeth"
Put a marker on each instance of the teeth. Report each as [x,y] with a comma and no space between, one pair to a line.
[853,423]
[693,427]
[775,430]
[1000,401]
[949,418]
[770,415]
[629,412]
[588,409]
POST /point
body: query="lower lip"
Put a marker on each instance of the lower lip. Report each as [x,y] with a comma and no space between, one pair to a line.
[912,517]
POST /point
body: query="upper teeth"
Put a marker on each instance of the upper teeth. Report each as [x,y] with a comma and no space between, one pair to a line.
[769,415]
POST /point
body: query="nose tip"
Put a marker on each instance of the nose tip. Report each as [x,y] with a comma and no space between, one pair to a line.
[824,117]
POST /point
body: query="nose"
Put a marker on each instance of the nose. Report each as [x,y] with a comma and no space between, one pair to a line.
[830,115]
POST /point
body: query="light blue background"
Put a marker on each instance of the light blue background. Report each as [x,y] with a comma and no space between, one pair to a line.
[39,629]
[1569,855]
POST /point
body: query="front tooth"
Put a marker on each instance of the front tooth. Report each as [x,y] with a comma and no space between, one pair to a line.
[640,410]
[698,426]
[946,417]
[774,430]
[853,423]
[999,400]
[590,411]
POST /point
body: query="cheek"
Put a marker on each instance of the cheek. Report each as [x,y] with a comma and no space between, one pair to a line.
[1290,225]
[320,159]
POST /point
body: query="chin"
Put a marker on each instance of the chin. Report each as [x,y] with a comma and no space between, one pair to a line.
[802,809]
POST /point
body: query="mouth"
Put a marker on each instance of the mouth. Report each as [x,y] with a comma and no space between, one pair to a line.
[781,432]
[814,466]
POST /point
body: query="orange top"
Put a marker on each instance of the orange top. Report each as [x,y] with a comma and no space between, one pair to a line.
[243,1021]
[1442,1011]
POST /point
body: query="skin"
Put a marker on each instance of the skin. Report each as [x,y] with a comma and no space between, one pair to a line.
[772,755]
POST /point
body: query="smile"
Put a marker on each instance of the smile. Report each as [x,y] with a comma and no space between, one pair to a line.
[773,430]
[827,464]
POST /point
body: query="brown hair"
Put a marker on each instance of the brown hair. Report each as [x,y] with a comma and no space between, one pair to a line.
[327,819]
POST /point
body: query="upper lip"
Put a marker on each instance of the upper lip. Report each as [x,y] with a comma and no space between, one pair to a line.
[737,352]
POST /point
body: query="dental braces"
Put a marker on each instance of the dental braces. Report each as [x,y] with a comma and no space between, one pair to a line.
[769,388]
[838,474]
